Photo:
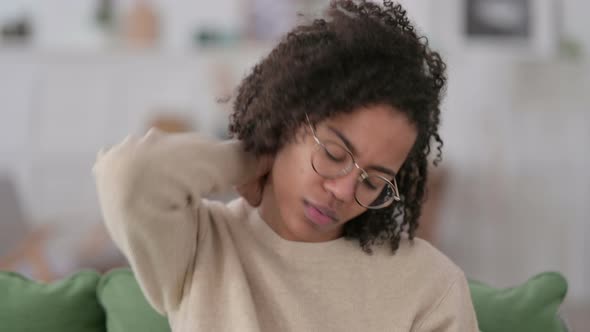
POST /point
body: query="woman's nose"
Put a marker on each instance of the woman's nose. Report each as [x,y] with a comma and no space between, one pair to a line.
[343,187]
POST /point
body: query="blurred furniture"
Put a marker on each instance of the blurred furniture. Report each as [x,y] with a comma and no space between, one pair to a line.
[141,25]
[98,252]
[21,245]
[90,302]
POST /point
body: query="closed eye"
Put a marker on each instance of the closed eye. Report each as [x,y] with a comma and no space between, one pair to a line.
[370,185]
[333,157]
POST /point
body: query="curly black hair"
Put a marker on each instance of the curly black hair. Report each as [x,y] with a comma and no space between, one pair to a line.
[360,54]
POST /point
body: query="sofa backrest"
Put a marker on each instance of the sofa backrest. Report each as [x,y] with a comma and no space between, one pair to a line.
[113,302]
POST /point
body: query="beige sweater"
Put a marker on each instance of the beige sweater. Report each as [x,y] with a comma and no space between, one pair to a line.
[211,266]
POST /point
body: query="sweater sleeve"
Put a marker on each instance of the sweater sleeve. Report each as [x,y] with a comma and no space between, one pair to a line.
[453,312]
[150,191]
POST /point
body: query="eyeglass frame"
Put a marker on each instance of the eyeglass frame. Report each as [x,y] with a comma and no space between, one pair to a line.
[364,174]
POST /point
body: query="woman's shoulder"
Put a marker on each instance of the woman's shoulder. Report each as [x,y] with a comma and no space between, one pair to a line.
[228,213]
[422,250]
[421,260]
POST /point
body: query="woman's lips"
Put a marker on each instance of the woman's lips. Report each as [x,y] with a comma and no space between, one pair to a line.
[319,215]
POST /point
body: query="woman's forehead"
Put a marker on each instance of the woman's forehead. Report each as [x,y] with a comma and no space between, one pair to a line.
[377,132]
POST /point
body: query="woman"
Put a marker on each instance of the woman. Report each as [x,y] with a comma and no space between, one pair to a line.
[334,129]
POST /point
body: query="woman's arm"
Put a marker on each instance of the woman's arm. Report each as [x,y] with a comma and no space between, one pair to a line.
[453,311]
[150,192]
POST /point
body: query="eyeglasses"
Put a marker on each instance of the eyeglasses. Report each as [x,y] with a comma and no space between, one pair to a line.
[331,160]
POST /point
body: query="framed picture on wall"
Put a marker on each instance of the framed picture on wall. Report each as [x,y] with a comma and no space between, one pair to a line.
[527,29]
[519,27]
[498,19]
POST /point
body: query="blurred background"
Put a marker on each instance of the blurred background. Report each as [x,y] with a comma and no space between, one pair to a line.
[510,200]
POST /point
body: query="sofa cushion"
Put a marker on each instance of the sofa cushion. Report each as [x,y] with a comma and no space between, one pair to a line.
[125,305]
[530,306]
[66,305]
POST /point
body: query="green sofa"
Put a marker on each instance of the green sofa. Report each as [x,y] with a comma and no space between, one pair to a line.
[90,302]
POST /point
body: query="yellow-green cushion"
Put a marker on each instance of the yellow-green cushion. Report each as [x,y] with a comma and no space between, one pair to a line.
[67,305]
[126,308]
[530,307]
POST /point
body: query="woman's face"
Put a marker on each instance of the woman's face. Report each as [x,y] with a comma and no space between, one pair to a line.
[300,205]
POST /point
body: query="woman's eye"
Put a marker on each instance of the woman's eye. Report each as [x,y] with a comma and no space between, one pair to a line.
[367,183]
[333,156]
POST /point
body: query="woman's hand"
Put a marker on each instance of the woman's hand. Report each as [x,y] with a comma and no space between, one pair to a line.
[252,190]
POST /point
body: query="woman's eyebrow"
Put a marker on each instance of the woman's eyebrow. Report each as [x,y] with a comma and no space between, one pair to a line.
[382,169]
[352,149]
[344,139]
